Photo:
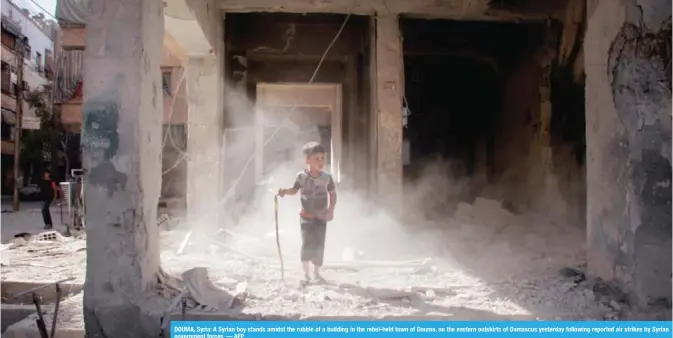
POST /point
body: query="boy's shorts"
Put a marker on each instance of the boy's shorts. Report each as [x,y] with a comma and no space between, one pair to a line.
[313,233]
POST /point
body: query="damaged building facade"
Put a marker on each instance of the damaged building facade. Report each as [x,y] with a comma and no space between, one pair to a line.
[561,107]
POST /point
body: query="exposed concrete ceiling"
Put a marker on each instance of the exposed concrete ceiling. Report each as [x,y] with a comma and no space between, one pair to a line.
[452,7]
[448,9]
[184,30]
[177,9]
[188,34]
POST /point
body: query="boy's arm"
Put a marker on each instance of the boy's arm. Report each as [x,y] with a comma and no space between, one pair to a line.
[291,191]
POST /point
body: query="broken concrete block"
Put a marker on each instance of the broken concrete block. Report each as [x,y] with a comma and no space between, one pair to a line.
[203,291]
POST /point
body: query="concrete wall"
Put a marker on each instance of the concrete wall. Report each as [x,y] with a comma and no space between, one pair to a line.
[628,106]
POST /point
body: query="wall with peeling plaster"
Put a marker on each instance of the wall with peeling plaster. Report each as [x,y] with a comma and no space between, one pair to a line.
[121,144]
[627,60]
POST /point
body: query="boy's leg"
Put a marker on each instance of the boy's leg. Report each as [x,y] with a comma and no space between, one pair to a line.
[319,253]
[305,246]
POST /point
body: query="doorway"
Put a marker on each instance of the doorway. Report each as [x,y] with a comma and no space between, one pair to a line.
[289,115]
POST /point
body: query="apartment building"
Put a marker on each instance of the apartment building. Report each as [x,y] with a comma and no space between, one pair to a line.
[71,15]
[35,33]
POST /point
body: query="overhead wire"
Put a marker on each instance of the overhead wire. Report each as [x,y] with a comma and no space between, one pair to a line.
[168,135]
[185,155]
[234,185]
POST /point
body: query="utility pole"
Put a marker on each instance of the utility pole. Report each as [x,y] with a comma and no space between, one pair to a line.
[19,54]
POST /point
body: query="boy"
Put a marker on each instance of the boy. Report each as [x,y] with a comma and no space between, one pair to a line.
[315,186]
[48,193]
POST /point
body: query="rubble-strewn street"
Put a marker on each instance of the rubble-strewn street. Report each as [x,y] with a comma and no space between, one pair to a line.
[451,160]
[484,272]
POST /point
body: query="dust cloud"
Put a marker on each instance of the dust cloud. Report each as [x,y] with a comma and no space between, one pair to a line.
[503,263]
[435,205]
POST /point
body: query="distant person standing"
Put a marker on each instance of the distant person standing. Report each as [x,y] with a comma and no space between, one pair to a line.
[48,193]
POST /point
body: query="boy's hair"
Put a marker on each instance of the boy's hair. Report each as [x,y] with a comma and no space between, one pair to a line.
[312,148]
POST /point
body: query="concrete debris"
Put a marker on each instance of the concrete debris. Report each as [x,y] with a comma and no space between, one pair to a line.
[614,305]
[24,235]
[573,273]
[204,292]
[240,238]
[606,291]
[425,270]
[377,264]
[430,294]
[241,291]
[17,242]
[49,236]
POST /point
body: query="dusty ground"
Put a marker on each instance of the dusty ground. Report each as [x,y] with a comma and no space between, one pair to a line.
[504,268]
[478,272]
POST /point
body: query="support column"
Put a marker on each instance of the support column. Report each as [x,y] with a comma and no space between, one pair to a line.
[205,113]
[121,150]
[389,91]
[628,105]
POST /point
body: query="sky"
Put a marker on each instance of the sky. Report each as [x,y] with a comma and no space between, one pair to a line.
[34,6]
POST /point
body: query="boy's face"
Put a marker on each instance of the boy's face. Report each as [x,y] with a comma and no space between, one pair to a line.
[46,175]
[316,161]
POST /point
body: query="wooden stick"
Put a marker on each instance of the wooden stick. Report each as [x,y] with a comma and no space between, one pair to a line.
[280,253]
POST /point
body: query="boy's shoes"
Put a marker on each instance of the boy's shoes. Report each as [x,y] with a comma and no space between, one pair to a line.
[305,281]
[320,280]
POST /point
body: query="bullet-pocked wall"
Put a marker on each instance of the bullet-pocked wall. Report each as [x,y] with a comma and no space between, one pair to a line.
[482,101]
[287,48]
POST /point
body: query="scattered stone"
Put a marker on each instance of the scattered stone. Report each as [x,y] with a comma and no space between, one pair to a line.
[577,275]
[430,294]
[332,295]
[17,242]
[614,305]
[24,235]
[607,290]
[291,297]
[612,316]
[425,270]
[589,294]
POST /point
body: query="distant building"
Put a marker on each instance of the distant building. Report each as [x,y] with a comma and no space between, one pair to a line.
[37,34]
[71,16]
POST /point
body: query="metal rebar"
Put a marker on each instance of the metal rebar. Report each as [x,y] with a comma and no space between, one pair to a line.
[41,287]
[58,302]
